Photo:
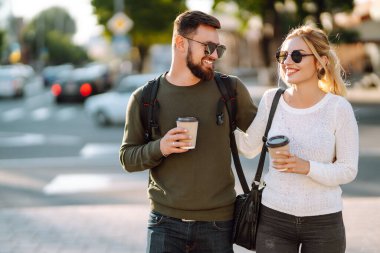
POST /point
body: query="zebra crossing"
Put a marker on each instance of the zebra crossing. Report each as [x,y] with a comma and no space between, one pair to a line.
[40,114]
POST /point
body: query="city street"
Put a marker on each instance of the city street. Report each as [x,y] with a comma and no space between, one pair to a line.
[46,149]
[55,156]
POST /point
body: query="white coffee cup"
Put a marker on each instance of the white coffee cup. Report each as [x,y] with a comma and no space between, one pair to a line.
[278,143]
[191,124]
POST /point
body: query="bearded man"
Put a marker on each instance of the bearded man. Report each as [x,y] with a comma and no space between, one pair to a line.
[191,191]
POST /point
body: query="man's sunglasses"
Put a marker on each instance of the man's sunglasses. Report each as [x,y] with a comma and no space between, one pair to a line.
[296,56]
[210,47]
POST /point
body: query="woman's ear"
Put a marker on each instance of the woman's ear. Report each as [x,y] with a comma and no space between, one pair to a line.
[321,67]
[325,61]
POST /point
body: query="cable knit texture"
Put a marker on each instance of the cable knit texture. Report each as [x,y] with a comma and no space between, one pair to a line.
[326,134]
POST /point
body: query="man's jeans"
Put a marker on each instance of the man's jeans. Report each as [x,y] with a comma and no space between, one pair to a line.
[171,235]
[280,232]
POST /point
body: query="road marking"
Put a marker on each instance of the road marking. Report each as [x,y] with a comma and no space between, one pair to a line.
[21,139]
[98,149]
[41,114]
[12,139]
[78,183]
[13,114]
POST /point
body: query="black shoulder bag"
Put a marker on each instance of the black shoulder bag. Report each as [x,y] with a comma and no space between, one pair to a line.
[247,205]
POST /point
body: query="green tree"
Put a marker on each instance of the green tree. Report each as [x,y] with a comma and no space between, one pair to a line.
[282,15]
[153,20]
[61,50]
[51,31]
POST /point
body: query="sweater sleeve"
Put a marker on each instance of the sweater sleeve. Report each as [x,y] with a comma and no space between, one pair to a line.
[246,108]
[345,168]
[250,143]
[135,154]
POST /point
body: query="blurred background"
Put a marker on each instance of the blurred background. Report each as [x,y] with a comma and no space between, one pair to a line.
[68,68]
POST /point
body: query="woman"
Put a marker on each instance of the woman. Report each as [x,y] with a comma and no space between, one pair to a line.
[302,204]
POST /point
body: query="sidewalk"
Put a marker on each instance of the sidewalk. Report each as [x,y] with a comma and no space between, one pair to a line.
[122,228]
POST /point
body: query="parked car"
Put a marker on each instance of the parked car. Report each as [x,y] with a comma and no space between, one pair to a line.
[109,108]
[78,84]
[13,79]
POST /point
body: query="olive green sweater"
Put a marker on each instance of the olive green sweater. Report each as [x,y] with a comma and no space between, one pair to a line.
[198,184]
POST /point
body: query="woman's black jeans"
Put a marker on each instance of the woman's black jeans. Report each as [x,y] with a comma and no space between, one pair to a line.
[281,232]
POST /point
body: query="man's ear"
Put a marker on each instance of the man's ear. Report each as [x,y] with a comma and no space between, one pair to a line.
[179,43]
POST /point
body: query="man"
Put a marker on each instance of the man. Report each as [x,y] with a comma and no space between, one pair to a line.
[191,191]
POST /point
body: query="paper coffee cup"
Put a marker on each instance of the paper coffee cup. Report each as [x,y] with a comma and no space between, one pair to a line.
[191,124]
[277,143]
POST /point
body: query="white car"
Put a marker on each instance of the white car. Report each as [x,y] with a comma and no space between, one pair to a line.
[110,107]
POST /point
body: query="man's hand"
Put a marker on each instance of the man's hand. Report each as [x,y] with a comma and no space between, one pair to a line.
[173,141]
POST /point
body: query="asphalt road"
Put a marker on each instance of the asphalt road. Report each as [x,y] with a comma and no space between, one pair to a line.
[55,155]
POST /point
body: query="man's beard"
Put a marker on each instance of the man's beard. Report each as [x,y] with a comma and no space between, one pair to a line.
[197,70]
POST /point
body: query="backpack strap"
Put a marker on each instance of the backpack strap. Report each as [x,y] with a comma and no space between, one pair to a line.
[228,91]
[228,99]
[149,108]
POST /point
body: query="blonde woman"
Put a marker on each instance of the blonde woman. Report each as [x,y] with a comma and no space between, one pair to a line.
[302,204]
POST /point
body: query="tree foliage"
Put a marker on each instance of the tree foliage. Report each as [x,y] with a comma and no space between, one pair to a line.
[283,15]
[51,32]
[153,19]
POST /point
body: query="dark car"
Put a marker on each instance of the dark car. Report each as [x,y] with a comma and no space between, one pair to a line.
[51,73]
[78,84]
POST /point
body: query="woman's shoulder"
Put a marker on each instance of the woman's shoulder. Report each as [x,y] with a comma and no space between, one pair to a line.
[269,95]
[341,104]
[339,100]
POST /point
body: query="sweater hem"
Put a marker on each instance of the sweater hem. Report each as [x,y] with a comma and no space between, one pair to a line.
[224,213]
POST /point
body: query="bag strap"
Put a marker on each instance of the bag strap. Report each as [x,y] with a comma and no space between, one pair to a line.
[150,108]
[228,91]
[229,95]
[264,149]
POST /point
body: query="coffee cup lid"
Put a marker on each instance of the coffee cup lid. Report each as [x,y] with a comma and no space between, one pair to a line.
[187,119]
[277,141]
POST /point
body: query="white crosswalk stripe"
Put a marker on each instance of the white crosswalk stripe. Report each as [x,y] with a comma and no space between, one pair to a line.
[40,114]
[12,114]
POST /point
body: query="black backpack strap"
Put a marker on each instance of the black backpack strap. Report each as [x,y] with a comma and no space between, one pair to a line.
[228,91]
[264,149]
[149,108]
[228,99]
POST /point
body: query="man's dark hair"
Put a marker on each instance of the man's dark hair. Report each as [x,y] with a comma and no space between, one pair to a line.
[187,22]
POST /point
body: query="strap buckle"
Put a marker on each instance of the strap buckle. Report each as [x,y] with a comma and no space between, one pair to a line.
[187,221]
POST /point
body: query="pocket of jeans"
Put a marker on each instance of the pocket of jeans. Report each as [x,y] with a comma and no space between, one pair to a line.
[223,225]
[155,219]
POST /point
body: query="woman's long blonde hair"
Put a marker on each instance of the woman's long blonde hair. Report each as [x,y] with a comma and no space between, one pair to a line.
[317,41]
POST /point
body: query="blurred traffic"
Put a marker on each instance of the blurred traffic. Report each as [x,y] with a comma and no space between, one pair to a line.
[110,108]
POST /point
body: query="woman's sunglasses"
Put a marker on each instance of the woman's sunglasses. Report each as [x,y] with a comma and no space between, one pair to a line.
[210,47]
[296,56]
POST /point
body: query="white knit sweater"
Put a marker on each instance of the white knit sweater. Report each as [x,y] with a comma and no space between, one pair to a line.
[326,134]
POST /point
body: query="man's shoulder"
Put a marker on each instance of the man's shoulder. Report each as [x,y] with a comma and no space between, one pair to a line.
[144,87]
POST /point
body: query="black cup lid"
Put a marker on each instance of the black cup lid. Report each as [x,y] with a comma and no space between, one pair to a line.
[277,141]
[187,119]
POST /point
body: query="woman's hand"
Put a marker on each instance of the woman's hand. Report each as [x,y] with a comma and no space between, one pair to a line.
[291,163]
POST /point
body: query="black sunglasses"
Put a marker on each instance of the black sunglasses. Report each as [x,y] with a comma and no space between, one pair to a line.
[210,47]
[296,56]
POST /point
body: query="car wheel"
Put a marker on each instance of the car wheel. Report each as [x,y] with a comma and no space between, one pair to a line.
[102,119]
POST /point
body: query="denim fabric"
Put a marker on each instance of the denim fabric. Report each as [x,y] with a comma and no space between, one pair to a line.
[280,232]
[171,235]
